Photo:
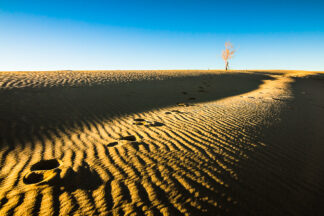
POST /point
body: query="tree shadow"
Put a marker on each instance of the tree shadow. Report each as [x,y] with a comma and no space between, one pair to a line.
[84,178]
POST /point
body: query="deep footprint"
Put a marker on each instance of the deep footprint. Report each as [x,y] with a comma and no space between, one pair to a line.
[40,177]
[128,138]
[112,144]
[46,165]
[43,172]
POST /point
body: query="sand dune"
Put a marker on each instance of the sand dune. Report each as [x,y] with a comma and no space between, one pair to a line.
[161,143]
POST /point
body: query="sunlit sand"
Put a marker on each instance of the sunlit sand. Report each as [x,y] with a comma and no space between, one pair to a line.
[161,142]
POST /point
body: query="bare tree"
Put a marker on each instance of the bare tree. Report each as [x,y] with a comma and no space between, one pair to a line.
[228,53]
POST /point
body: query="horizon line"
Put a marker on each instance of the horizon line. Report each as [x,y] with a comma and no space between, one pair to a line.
[84,70]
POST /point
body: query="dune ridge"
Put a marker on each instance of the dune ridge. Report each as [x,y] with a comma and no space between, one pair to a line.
[189,160]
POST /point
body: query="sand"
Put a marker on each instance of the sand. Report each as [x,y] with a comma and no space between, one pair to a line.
[162,143]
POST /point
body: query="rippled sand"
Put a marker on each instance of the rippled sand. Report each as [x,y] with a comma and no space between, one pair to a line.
[161,143]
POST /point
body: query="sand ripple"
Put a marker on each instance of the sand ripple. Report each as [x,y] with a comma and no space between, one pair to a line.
[193,160]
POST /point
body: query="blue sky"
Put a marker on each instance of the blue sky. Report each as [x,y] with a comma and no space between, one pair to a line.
[138,34]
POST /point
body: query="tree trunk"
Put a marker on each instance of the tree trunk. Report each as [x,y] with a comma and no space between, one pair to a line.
[226,65]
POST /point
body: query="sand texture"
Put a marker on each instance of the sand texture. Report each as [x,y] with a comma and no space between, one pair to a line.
[161,143]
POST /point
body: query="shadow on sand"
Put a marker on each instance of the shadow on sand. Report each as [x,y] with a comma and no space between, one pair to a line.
[31,113]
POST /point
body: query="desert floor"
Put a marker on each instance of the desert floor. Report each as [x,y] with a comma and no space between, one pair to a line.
[162,143]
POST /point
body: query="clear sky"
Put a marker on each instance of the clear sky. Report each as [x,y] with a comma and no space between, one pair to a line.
[166,34]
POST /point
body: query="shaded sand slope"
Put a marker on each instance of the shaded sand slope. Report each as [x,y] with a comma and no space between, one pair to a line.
[33,102]
[288,173]
[249,144]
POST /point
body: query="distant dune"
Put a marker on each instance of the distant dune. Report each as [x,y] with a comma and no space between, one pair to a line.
[162,143]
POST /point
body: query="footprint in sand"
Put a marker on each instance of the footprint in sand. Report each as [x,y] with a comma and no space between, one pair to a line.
[174,112]
[140,121]
[125,140]
[156,124]
[43,172]
[128,138]
[183,104]
[112,144]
